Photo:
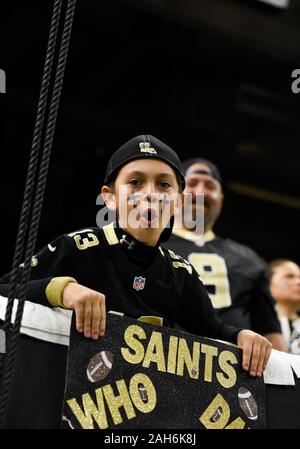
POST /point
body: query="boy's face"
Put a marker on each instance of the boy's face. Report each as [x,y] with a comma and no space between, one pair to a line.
[145,194]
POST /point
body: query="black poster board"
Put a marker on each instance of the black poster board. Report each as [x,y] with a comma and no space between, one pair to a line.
[144,376]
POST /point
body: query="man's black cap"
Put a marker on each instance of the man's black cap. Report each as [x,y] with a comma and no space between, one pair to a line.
[212,170]
[143,147]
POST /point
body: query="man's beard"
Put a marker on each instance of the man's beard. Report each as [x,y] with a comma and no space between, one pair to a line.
[207,216]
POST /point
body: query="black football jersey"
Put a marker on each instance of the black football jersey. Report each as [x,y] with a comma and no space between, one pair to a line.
[234,276]
[166,287]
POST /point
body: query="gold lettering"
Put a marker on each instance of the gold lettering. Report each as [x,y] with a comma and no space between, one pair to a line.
[91,411]
[155,352]
[185,359]
[210,352]
[172,354]
[144,399]
[207,418]
[135,345]
[115,402]
[226,358]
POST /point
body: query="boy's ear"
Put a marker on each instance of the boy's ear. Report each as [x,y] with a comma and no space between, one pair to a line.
[109,197]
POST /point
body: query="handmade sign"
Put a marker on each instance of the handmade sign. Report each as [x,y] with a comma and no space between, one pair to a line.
[144,376]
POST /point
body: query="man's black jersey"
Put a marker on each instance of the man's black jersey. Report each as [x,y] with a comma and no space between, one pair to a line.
[234,276]
[137,280]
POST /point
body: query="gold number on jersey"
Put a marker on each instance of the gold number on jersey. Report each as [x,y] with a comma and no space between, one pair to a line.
[213,271]
[86,242]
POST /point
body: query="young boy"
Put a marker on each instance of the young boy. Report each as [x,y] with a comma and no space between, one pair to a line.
[123,268]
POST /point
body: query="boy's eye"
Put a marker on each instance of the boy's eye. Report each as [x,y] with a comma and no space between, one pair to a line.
[134,182]
[164,185]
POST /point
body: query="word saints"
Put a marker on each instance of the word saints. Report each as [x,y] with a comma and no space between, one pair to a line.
[172,355]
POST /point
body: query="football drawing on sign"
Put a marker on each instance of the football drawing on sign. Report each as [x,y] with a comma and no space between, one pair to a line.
[99,366]
[247,403]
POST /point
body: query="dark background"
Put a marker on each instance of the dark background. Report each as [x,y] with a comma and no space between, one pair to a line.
[210,78]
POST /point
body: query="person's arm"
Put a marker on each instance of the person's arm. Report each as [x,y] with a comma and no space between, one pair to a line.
[53,282]
[52,261]
[197,315]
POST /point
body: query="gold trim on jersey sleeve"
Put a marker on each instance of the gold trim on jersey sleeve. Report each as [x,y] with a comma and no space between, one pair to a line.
[183,265]
[55,289]
[81,231]
[110,234]
[173,255]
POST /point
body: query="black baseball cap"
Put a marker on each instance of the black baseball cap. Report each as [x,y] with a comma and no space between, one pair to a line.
[144,146]
[212,170]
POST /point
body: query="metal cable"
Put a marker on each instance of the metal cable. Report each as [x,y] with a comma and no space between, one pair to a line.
[37,205]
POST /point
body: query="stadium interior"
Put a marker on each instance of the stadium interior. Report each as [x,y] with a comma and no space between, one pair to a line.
[211,78]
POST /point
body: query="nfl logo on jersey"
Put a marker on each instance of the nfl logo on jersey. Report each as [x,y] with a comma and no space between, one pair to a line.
[139,283]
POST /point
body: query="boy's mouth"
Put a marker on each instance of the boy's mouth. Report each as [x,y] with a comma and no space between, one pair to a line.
[149,216]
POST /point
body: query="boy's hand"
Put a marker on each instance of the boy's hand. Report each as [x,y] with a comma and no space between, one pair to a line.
[89,307]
